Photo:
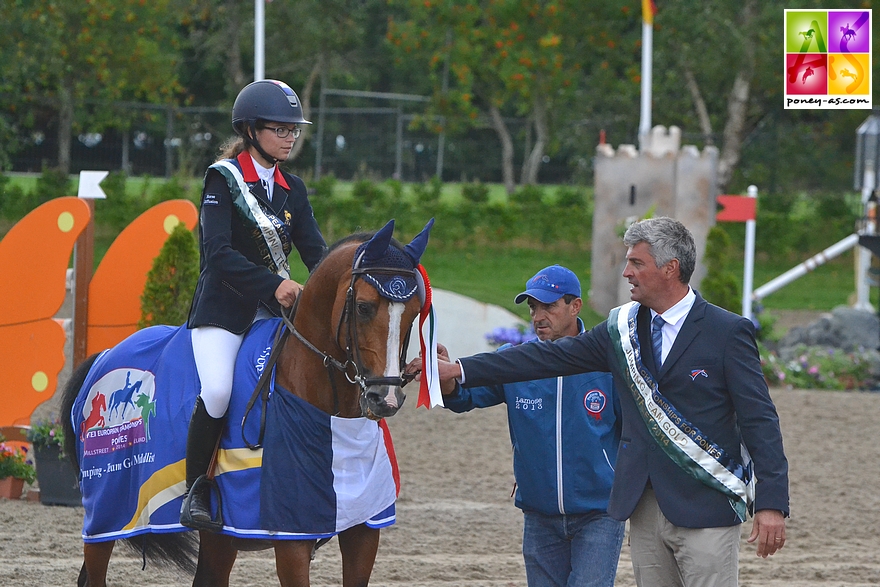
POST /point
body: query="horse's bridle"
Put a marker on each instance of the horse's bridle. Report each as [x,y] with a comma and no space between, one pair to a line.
[352,353]
[352,349]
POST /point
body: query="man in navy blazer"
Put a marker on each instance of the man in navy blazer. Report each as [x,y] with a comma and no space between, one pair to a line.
[684,530]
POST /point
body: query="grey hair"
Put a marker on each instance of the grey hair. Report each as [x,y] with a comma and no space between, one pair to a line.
[667,239]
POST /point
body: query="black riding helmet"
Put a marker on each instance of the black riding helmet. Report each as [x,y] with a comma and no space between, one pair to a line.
[269,100]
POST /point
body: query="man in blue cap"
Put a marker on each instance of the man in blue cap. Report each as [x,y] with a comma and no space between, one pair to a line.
[565,432]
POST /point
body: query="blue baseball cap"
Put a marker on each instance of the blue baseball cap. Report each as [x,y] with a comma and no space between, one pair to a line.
[550,284]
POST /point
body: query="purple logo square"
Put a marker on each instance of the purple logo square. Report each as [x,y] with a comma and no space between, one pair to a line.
[849,32]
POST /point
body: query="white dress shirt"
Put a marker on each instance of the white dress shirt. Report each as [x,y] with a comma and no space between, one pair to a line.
[674,318]
[267,177]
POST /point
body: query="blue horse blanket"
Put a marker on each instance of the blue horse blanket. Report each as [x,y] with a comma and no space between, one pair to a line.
[316,476]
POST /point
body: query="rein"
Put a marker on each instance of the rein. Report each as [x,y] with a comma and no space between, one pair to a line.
[331,363]
[262,388]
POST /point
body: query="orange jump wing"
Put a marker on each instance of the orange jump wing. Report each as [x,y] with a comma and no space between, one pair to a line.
[34,256]
[116,288]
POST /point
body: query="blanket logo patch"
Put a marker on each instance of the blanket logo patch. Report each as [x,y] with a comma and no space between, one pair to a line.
[117,411]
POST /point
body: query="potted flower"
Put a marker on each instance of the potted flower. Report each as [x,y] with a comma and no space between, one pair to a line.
[56,477]
[15,470]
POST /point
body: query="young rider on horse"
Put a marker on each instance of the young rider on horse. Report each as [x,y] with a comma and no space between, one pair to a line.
[252,213]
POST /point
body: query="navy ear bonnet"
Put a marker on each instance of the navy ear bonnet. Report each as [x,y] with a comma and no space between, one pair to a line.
[378,252]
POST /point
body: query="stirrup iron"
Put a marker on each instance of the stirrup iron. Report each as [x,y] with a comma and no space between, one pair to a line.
[209,485]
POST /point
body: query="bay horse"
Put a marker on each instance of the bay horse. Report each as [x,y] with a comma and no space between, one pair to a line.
[345,359]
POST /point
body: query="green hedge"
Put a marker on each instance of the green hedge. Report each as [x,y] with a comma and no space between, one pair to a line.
[127,197]
[483,240]
[465,214]
[468,214]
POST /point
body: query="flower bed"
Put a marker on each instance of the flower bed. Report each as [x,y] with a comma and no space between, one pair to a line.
[817,367]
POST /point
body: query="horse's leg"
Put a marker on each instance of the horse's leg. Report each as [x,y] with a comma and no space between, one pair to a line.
[292,560]
[96,559]
[216,557]
[358,545]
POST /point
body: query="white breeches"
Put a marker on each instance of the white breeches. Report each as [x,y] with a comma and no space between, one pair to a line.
[215,350]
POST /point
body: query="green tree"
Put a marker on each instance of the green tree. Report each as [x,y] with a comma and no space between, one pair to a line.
[308,42]
[488,60]
[216,38]
[725,55]
[171,281]
[719,285]
[60,56]
[333,40]
[717,72]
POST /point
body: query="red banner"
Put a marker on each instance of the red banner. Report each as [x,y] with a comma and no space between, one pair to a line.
[736,208]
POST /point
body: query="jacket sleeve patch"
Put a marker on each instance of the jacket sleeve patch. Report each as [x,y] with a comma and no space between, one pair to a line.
[211,200]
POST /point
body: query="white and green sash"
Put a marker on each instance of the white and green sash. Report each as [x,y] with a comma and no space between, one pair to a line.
[269,226]
[682,442]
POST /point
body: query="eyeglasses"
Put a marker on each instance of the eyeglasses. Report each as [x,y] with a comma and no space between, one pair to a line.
[282,132]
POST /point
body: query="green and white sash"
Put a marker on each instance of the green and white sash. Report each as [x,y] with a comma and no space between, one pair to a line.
[682,442]
[272,235]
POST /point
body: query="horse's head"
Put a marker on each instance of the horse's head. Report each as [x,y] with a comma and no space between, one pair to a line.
[371,292]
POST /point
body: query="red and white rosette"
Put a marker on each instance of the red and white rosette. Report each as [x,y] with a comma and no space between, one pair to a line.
[429,387]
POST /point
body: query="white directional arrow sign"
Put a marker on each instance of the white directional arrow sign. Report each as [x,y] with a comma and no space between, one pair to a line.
[90,185]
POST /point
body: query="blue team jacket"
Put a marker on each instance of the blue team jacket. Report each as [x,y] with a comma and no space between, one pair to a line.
[564,431]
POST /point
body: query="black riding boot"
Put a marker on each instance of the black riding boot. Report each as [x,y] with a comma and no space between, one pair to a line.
[201,441]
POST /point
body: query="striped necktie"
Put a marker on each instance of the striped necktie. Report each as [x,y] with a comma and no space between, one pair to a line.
[657,339]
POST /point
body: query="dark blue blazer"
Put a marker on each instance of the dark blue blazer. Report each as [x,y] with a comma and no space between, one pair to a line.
[234,280]
[730,403]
